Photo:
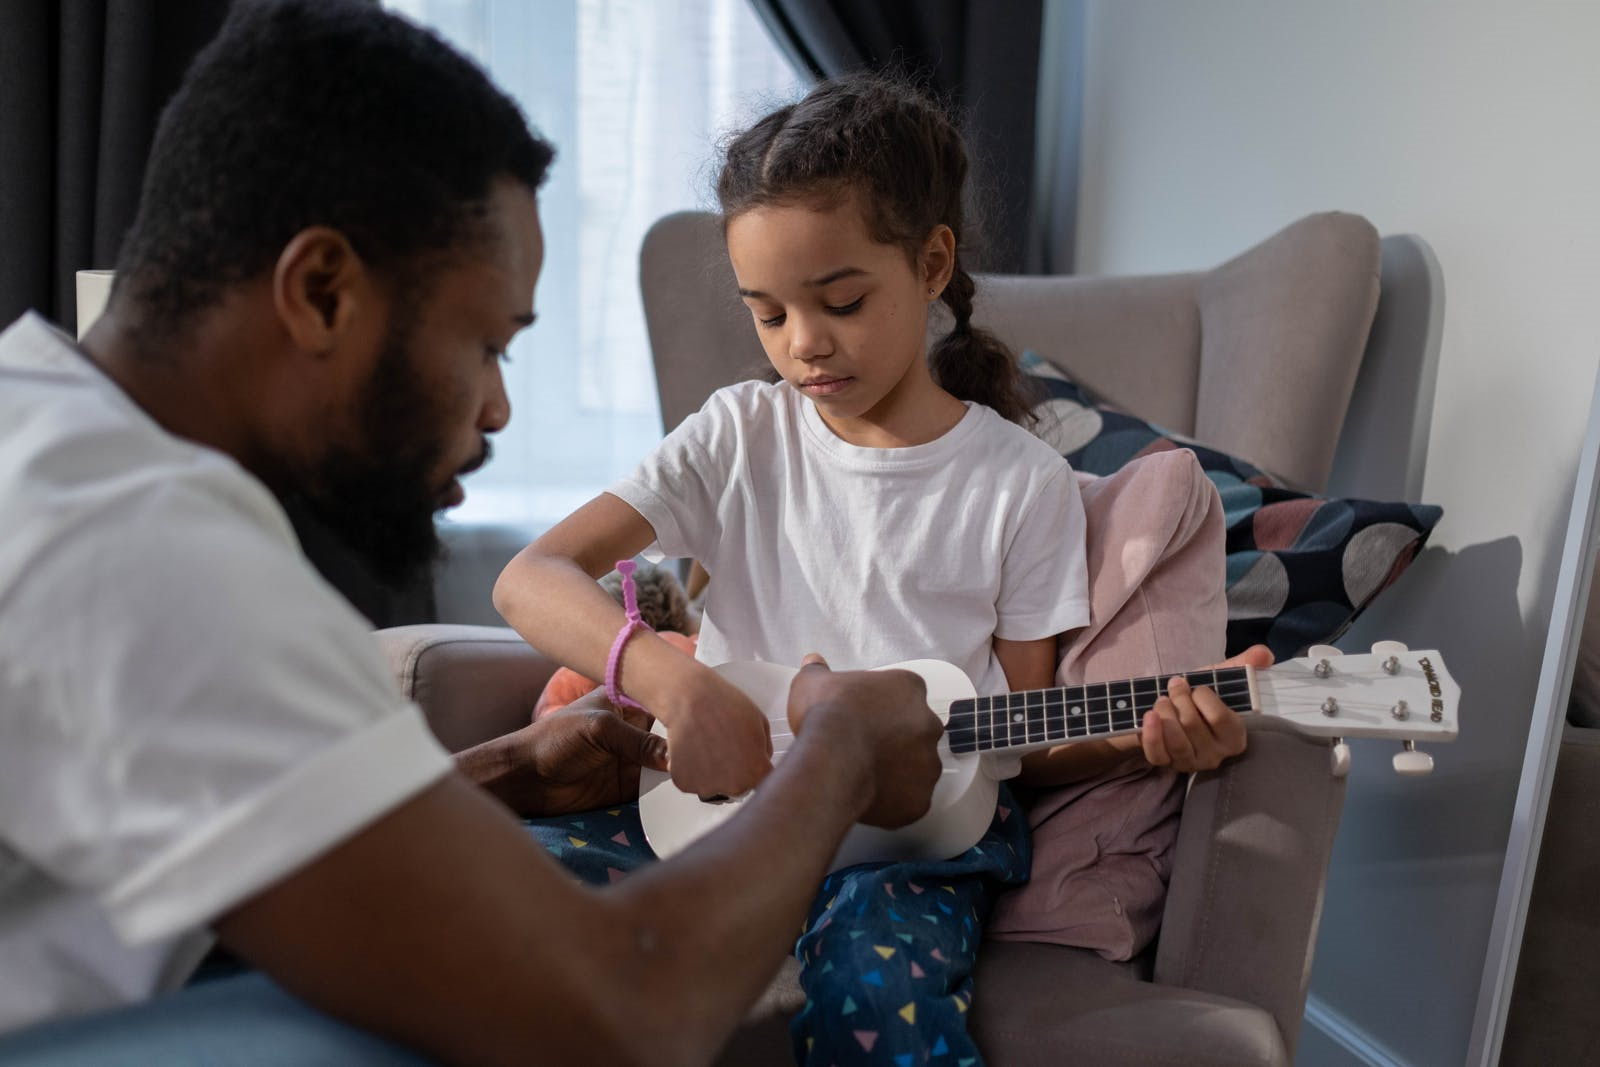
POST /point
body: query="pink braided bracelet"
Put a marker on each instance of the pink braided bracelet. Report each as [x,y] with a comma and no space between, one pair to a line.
[635,623]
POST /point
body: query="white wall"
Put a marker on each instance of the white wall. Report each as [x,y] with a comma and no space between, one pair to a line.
[1477,125]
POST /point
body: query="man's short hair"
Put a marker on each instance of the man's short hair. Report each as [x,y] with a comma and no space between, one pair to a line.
[317,112]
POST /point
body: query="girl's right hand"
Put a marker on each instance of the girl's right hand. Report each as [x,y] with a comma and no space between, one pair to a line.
[718,742]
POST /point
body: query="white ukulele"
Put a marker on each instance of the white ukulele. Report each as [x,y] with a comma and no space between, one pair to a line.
[1393,692]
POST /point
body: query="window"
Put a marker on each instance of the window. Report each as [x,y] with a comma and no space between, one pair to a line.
[634,94]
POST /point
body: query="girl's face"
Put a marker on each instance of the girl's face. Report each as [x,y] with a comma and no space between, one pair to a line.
[844,319]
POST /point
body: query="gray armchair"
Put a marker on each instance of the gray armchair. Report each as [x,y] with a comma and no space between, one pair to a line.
[1260,357]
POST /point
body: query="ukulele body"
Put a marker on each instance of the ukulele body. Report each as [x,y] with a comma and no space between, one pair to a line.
[963,801]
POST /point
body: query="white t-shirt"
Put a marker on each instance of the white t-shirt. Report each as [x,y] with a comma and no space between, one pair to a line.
[869,556]
[188,713]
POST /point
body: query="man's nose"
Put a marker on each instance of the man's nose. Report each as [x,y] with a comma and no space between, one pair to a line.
[496,410]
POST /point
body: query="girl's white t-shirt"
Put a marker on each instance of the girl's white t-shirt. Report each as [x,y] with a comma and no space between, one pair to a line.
[870,556]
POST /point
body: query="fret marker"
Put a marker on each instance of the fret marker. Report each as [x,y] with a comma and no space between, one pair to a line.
[1076,710]
[1121,704]
[1017,717]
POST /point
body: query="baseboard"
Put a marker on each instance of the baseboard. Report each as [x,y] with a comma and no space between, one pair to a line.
[1349,1036]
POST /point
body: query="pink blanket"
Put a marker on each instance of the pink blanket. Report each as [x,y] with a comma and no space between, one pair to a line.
[1103,848]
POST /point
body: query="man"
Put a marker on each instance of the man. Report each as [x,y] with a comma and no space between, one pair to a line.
[338,237]
[337,240]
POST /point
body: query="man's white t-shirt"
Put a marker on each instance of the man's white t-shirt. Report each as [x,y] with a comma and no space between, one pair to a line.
[188,713]
[869,556]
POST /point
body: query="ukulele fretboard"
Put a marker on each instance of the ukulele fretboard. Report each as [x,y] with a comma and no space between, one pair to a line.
[1099,709]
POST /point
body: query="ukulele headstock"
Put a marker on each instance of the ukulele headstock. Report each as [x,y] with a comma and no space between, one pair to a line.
[1391,692]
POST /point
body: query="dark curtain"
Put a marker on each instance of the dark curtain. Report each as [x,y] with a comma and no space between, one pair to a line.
[82,83]
[980,55]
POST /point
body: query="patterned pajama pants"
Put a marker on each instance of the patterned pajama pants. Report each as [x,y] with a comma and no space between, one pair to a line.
[887,950]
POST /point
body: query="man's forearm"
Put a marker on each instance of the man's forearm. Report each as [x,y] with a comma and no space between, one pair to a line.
[764,867]
[447,892]
[695,970]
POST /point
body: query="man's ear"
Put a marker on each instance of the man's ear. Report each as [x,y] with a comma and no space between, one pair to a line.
[939,258]
[320,289]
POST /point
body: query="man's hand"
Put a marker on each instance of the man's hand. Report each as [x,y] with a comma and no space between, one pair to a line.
[583,757]
[1192,729]
[880,719]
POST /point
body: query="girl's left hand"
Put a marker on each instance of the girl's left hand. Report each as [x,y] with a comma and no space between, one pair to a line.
[1192,729]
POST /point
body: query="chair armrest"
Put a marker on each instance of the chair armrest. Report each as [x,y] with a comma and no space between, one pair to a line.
[1043,1005]
[1249,869]
[473,683]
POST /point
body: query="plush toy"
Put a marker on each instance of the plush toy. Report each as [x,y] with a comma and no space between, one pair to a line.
[662,604]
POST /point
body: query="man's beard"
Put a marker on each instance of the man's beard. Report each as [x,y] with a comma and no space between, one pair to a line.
[376,497]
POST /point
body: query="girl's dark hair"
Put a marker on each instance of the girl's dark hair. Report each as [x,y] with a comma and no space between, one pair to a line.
[900,152]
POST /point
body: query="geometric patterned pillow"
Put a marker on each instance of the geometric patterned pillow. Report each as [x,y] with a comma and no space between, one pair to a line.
[1300,567]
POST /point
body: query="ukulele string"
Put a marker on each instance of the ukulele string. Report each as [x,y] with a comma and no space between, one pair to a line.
[1103,714]
[1224,690]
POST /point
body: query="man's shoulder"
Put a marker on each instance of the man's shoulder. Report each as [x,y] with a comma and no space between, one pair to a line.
[75,455]
[105,521]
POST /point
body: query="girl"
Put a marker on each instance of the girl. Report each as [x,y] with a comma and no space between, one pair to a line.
[879,503]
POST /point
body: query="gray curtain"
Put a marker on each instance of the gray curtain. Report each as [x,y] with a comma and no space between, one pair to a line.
[980,55]
[82,83]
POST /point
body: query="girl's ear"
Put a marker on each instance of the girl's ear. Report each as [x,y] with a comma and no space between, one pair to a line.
[938,259]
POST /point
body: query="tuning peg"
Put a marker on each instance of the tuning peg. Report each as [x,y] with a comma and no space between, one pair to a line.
[1390,650]
[1322,654]
[1341,758]
[1411,762]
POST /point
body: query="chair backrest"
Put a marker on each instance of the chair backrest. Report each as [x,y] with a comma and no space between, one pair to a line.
[701,337]
[1383,448]
[1258,356]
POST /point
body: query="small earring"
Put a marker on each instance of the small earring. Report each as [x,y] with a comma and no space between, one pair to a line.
[930,292]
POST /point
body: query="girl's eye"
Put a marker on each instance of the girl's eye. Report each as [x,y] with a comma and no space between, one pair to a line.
[840,309]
